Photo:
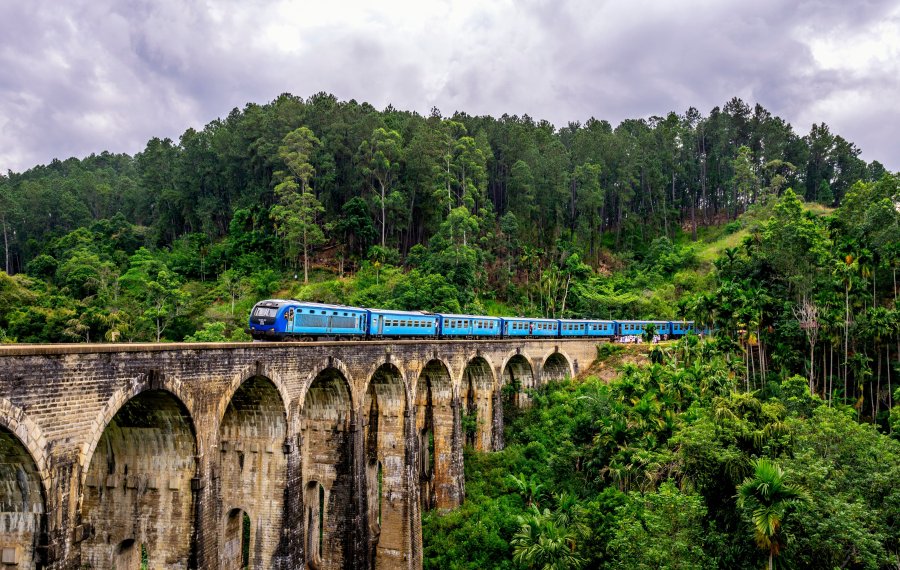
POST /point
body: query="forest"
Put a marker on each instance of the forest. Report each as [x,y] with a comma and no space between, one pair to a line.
[773,443]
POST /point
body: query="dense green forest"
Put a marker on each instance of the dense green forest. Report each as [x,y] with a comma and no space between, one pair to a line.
[675,464]
[776,440]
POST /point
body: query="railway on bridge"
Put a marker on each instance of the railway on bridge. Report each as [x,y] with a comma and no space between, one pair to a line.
[324,453]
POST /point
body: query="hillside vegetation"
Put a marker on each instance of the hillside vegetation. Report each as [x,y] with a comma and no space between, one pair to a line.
[787,245]
[674,464]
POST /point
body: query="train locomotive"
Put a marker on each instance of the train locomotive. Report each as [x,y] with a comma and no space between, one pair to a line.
[289,319]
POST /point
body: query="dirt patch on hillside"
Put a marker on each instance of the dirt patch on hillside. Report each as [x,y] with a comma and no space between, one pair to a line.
[611,357]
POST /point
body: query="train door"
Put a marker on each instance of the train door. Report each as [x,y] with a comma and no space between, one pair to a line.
[289,318]
[380,325]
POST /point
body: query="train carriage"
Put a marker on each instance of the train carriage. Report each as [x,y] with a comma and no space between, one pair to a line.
[463,326]
[601,328]
[286,319]
[516,327]
[630,328]
[385,323]
[582,328]
[662,328]
[681,328]
[542,328]
[574,328]
[637,328]
[267,319]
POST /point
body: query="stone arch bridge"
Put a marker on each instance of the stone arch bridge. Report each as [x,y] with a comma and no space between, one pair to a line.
[315,455]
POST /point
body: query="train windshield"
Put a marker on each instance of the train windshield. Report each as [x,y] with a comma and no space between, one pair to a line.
[265,312]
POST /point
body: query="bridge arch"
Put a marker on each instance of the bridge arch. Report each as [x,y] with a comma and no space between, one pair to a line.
[253,473]
[23,497]
[476,393]
[140,483]
[384,409]
[436,419]
[133,388]
[30,435]
[329,366]
[257,370]
[516,377]
[557,366]
[327,427]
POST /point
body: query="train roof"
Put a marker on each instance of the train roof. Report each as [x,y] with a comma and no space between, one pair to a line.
[393,312]
[326,305]
[278,302]
[529,319]
[585,321]
[455,316]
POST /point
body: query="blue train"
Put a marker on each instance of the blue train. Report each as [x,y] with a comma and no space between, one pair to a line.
[280,319]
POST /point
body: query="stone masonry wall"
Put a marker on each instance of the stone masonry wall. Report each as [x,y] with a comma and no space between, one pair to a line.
[108,450]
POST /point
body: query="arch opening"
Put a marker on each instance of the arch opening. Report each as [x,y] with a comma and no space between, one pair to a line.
[327,471]
[478,405]
[139,484]
[314,499]
[253,467]
[22,504]
[236,544]
[434,431]
[385,444]
[518,379]
[556,368]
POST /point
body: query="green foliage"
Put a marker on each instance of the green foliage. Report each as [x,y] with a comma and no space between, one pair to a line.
[764,498]
[661,529]
[211,332]
[669,466]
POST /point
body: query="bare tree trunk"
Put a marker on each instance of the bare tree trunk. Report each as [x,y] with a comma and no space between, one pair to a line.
[807,314]
[887,351]
[383,212]
[694,219]
[846,334]
[752,364]
[6,248]
[565,294]
[306,258]
[878,383]
[747,368]
[830,373]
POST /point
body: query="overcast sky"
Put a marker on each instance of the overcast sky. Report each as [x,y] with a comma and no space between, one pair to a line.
[83,76]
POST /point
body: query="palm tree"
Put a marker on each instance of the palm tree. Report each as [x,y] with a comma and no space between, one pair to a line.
[766,497]
[542,543]
[530,488]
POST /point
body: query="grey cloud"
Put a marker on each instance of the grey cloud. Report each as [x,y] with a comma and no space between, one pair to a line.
[81,77]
